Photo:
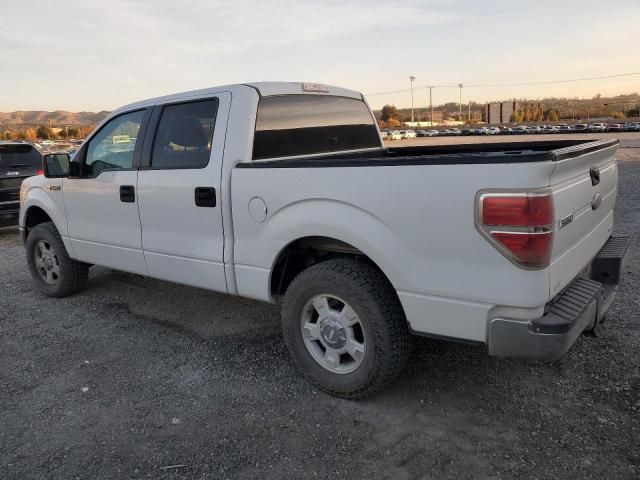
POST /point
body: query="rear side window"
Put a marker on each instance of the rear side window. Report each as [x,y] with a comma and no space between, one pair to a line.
[19,156]
[184,135]
[292,125]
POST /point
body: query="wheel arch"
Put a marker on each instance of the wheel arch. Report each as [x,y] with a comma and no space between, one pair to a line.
[38,207]
[302,253]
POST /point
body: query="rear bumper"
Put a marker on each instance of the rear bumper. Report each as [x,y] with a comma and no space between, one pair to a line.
[9,212]
[580,307]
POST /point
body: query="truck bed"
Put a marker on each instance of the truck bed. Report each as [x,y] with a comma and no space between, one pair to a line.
[471,153]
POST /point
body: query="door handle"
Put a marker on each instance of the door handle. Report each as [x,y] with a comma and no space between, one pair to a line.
[127,193]
[205,197]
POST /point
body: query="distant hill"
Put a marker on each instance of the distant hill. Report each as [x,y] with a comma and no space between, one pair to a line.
[58,118]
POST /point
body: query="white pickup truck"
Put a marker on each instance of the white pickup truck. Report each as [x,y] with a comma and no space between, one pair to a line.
[272,190]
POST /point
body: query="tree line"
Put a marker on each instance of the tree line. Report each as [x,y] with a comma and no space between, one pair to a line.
[547,109]
[43,132]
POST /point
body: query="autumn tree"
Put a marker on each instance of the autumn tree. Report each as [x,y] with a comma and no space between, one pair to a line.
[86,130]
[389,112]
[393,123]
[30,133]
[45,133]
[552,115]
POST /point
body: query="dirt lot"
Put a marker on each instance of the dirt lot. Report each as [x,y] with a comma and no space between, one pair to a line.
[136,378]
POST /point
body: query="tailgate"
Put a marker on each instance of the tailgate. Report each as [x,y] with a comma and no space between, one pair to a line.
[584,184]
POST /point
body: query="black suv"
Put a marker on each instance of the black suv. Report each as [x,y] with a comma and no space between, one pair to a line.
[17,162]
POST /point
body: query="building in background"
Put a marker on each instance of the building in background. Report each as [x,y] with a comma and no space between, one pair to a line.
[500,112]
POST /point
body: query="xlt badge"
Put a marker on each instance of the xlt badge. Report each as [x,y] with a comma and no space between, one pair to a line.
[566,221]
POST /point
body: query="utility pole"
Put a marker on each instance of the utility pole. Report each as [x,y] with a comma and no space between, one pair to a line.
[469,115]
[412,78]
[460,102]
[430,106]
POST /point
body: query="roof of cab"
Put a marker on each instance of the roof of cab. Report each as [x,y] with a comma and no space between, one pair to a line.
[264,89]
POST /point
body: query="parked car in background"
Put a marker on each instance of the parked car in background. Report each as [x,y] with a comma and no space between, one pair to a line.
[615,127]
[384,135]
[17,162]
[520,130]
[421,133]
[409,134]
[506,130]
[598,127]
[564,128]
[494,131]
[549,129]
[432,133]
[632,127]
[532,129]
[580,128]
[454,131]
[394,135]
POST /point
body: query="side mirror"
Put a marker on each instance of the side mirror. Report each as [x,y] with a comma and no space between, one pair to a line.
[56,165]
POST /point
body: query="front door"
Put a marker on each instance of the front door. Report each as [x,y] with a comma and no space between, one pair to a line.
[101,205]
[179,193]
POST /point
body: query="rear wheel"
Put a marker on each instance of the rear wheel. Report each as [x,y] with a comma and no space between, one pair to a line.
[345,328]
[54,273]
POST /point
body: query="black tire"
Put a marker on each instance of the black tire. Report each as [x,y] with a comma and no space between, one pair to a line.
[384,325]
[73,275]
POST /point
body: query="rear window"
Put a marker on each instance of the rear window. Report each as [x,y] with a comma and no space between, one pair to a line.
[292,125]
[17,156]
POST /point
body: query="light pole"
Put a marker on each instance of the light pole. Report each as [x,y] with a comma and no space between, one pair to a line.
[430,106]
[460,102]
[412,78]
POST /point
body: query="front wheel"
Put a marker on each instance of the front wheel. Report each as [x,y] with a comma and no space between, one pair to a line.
[53,272]
[345,328]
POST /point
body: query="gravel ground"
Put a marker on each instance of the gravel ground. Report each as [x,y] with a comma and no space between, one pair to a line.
[136,378]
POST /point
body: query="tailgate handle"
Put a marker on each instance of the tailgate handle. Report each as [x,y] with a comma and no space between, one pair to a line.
[594,172]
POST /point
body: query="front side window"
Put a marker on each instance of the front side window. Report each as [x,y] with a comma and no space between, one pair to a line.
[293,125]
[113,146]
[185,135]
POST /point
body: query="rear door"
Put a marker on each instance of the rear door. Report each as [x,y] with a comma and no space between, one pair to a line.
[101,205]
[179,187]
[584,184]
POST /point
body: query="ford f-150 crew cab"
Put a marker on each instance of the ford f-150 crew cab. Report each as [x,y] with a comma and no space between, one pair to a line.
[285,190]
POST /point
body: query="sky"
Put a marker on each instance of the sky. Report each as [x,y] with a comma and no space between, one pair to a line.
[92,55]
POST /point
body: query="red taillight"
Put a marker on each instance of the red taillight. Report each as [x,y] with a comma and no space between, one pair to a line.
[517,211]
[530,249]
[520,225]
[40,172]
